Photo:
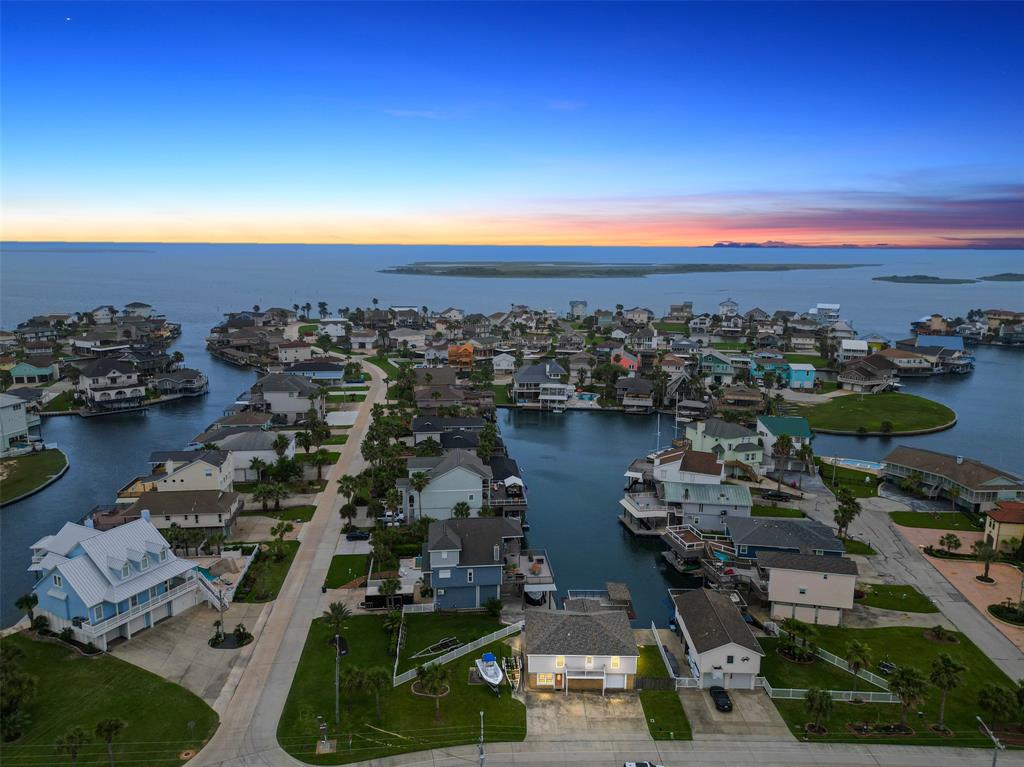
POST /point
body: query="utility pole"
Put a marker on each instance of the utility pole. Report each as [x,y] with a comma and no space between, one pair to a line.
[337,680]
[481,739]
[997,746]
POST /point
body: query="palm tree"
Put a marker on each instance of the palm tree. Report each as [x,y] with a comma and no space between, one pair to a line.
[388,588]
[845,513]
[818,704]
[460,510]
[782,449]
[953,493]
[950,542]
[71,743]
[263,494]
[336,614]
[258,465]
[377,680]
[281,529]
[107,730]
[858,656]
[909,685]
[392,499]
[321,458]
[945,675]
[985,554]
[998,701]
[419,481]
[350,679]
[278,492]
[392,621]
[280,444]
[27,604]
[348,512]
[217,540]
[304,440]
[433,680]
[347,486]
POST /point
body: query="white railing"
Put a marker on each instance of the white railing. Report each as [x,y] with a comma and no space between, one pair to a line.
[661,651]
[426,607]
[844,696]
[685,682]
[835,660]
[103,626]
[458,652]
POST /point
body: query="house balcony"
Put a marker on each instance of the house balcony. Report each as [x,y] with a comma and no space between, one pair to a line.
[101,628]
[530,568]
[646,506]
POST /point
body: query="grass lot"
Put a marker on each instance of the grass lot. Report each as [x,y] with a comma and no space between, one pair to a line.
[345,568]
[303,329]
[61,403]
[906,412]
[905,598]
[424,629]
[72,690]
[940,520]
[858,547]
[730,346]
[501,394]
[851,479]
[384,364]
[757,510]
[293,514]
[263,580]
[672,327]
[343,389]
[357,397]
[408,723]
[827,386]
[808,359]
[337,439]
[663,710]
[27,472]
[308,457]
[902,646]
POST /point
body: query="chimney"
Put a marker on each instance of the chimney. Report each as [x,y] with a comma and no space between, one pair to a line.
[145,514]
[959,460]
[497,553]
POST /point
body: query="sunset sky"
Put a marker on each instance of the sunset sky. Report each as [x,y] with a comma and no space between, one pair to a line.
[604,124]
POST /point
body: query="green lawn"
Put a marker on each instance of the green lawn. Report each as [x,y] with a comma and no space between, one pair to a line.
[858,547]
[263,580]
[902,646]
[808,359]
[501,394]
[357,397]
[940,520]
[663,710]
[424,629]
[730,346]
[345,568]
[650,663]
[72,690]
[303,329]
[27,472]
[861,483]
[783,673]
[302,457]
[61,403]
[337,439]
[905,598]
[350,388]
[672,327]
[408,722]
[906,412]
[384,364]
[292,514]
[758,510]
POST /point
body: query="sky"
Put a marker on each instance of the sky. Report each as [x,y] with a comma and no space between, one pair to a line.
[506,123]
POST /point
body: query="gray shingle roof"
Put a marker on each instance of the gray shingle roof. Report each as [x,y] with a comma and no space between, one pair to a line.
[716,427]
[286,382]
[712,620]
[559,632]
[424,423]
[807,562]
[804,535]
[475,537]
[542,372]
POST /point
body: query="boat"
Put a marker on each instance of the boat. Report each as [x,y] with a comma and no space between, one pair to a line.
[513,670]
[489,669]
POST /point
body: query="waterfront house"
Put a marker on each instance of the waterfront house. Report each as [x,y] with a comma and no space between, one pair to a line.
[213,511]
[138,309]
[179,470]
[729,442]
[680,312]
[824,314]
[452,314]
[1004,526]
[186,382]
[246,444]
[751,535]
[908,363]
[800,375]
[296,351]
[288,397]
[626,360]
[740,397]
[771,427]
[639,314]
[103,315]
[322,372]
[109,385]
[106,586]
[432,427]
[996,318]
[977,487]
[503,364]
[812,589]
[16,422]
[457,476]
[540,386]
[635,395]
[470,561]
[720,649]
[716,368]
[460,357]
[567,650]
[851,349]
[840,330]
[874,373]
[604,318]
[507,495]
[728,308]
[35,370]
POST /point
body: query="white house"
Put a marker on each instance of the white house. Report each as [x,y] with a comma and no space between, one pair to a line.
[110,384]
[183,470]
[808,587]
[851,349]
[138,309]
[720,648]
[579,650]
[288,396]
[246,444]
[503,364]
[407,338]
[15,421]
[103,315]
[296,351]
[455,477]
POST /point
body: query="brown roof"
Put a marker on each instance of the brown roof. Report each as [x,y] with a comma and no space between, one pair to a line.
[700,462]
[1010,512]
[811,563]
[293,345]
[712,620]
[898,354]
[968,472]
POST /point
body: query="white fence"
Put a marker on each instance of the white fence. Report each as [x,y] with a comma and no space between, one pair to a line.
[458,652]
[789,693]
[426,607]
[835,660]
[661,649]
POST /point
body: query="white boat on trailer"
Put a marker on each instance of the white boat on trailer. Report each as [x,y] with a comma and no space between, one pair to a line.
[489,670]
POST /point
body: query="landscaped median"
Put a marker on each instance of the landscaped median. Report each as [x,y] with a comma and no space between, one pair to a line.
[938,520]
[881,414]
[266,574]
[663,710]
[25,474]
[163,724]
[404,721]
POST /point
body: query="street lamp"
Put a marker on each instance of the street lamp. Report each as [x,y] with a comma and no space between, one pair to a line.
[337,680]
[997,746]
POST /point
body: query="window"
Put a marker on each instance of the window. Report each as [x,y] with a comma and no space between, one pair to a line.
[220,517]
[590,661]
[167,517]
[163,555]
[803,591]
[444,555]
[126,570]
[469,576]
[559,661]
[440,592]
[152,592]
[444,573]
[545,679]
[616,661]
[133,600]
[58,581]
[728,658]
[97,613]
[144,564]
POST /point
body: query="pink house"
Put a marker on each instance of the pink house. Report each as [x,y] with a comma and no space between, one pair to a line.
[626,361]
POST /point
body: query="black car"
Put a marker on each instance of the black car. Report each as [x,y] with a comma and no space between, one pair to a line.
[721,698]
[773,495]
[357,535]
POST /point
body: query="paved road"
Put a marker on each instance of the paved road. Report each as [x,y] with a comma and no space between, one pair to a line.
[251,705]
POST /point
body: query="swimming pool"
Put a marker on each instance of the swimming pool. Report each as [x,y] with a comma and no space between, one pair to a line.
[587,396]
[856,463]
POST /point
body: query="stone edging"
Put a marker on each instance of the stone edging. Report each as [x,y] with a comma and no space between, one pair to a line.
[992,615]
[911,433]
[46,484]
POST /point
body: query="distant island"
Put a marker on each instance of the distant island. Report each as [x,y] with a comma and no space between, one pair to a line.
[588,269]
[923,279]
[1004,277]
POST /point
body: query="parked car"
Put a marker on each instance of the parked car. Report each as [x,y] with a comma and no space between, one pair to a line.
[640,764]
[357,535]
[775,495]
[720,698]
[886,667]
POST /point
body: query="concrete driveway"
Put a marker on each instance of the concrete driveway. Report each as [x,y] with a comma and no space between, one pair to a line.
[753,715]
[581,716]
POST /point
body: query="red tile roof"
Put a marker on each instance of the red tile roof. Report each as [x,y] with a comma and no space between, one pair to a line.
[1009,512]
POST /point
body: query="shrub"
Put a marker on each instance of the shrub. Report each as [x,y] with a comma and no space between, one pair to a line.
[41,623]
[493,606]
[66,634]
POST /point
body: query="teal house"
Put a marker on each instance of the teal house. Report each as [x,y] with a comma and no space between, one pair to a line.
[34,372]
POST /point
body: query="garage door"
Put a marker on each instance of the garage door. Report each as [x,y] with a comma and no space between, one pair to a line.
[616,682]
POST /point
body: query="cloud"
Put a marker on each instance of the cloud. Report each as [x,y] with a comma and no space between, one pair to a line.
[565,105]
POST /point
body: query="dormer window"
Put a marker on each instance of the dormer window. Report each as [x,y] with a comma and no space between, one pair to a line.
[126,570]
[58,581]
[144,564]
[163,555]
